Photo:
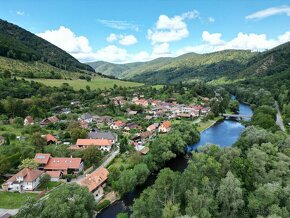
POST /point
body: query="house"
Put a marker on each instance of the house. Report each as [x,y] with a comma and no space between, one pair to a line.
[96,181]
[146,134]
[24,180]
[142,102]
[205,110]
[101,144]
[48,120]
[131,126]
[84,124]
[87,117]
[148,117]
[165,127]
[118,124]
[2,140]
[184,115]
[144,150]
[152,127]
[65,111]
[54,175]
[28,121]
[132,113]
[50,139]
[103,135]
[66,165]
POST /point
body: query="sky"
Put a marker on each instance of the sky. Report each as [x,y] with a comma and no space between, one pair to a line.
[133,30]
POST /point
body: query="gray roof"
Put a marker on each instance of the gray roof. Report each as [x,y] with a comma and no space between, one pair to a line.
[102,135]
[86,116]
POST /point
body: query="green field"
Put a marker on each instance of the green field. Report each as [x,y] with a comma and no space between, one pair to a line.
[96,83]
[14,200]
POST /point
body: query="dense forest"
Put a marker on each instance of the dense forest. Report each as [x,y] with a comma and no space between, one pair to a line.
[17,43]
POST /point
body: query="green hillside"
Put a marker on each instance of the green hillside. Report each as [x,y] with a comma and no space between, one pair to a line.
[19,44]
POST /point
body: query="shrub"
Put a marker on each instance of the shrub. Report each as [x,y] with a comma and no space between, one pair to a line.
[103,205]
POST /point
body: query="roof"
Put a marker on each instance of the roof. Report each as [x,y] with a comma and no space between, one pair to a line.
[41,158]
[27,174]
[95,179]
[102,135]
[29,119]
[94,142]
[86,116]
[166,124]
[144,150]
[119,123]
[63,163]
[152,127]
[54,174]
[50,137]
[146,134]
[53,119]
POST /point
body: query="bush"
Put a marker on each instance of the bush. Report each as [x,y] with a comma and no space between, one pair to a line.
[103,205]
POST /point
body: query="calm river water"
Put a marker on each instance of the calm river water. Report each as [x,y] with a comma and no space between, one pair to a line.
[223,133]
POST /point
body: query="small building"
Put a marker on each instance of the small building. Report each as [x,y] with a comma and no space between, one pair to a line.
[50,139]
[48,120]
[87,117]
[101,144]
[103,135]
[165,127]
[142,102]
[131,126]
[28,121]
[96,181]
[152,127]
[24,180]
[118,124]
[2,140]
[132,113]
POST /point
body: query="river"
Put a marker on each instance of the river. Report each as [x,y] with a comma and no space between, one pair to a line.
[224,134]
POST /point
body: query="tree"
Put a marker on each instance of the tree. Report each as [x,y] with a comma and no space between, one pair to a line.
[230,196]
[38,141]
[126,182]
[234,106]
[91,156]
[45,179]
[171,210]
[142,172]
[69,200]
[28,163]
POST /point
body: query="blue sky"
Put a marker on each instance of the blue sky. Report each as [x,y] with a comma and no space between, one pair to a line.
[128,31]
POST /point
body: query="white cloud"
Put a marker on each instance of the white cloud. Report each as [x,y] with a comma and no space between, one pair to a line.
[211,19]
[127,40]
[252,41]
[284,9]
[122,39]
[65,39]
[161,49]
[213,39]
[20,13]
[119,24]
[112,37]
[171,29]
[141,56]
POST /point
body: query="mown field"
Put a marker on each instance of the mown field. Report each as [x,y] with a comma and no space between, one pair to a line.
[96,83]
[12,200]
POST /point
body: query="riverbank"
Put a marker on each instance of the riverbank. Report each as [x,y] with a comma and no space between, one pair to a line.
[204,125]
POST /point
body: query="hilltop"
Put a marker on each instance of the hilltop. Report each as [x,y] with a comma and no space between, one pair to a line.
[33,53]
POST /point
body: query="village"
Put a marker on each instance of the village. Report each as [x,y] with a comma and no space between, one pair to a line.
[102,133]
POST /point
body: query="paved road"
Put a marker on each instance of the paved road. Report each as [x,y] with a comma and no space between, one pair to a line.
[279,120]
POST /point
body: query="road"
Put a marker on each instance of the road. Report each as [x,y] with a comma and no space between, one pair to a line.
[279,120]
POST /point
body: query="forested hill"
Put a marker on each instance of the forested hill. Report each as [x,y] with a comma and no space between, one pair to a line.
[185,67]
[18,43]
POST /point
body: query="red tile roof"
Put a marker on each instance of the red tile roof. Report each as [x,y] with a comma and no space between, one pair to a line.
[27,174]
[95,179]
[29,119]
[93,142]
[50,137]
[119,123]
[54,174]
[63,163]
[166,124]
[41,158]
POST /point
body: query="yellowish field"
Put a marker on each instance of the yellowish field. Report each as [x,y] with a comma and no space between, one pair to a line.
[96,83]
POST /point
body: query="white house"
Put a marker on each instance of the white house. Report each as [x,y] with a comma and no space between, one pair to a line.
[164,127]
[25,180]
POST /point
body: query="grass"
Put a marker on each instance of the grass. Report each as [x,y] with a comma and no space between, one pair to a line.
[96,83]
[14,200]
[10,129]
[50,185]
[203,125]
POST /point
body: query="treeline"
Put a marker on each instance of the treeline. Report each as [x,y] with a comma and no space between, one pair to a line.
[162,149]
[250,179]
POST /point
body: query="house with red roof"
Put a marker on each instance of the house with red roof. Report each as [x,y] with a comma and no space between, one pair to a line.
[164,127]
[142,102]
[118,124]
[96,181]
[65,165]
[48,120]
[25,180]
[50,139]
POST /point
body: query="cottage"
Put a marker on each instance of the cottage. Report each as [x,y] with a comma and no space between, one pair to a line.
[24,180]
[152,127]
[87,117]
[102,144]
[142,102]
[65,165]
[48,120]
[50,139]
[147,134]
[118,124]
[165,127]
[131,126]
[2,140]
[28,121]
[96,181]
